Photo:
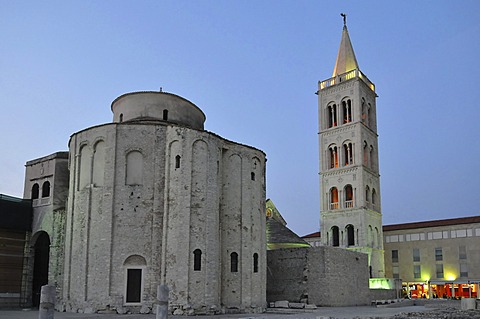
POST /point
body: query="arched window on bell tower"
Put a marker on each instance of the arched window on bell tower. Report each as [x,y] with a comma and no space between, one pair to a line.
[364,112]
[333,156]
[334,198]
[365,153]
[348,196]
[335,236]
[347,154]
[350,235]
[347,111]
[332,115]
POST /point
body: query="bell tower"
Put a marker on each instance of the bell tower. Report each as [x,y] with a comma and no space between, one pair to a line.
[350,213]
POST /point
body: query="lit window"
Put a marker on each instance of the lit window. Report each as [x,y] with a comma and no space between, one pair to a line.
[348,154]
[348,196]
[334,198]
[347,111]
[333,157]
[332,115]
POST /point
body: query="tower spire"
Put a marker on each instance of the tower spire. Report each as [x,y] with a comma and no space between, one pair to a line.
[346,60]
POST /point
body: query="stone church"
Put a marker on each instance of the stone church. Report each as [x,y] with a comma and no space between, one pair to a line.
[153,198]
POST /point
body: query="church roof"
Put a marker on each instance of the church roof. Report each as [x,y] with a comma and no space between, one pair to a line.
[346,60]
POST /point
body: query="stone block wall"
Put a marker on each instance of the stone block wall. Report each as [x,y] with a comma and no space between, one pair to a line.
[324,276]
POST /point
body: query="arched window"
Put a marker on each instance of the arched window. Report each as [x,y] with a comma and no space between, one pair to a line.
[255,262]
[348,154]
[252,176]
[84,173]
[177,161]
[348,196]
[334,198]
[372,157]
[370,236]
[365,153]
[332,115]
[364,112]
[374,197]
[333,156]
[347,111]
[350,235]
[197,260]
[121,117]
[335,236]
[376,237]
[367,194]
[46,189]
[165,115]
[134,169]
[99,164]
[370,116]
[234,262]
[35,191]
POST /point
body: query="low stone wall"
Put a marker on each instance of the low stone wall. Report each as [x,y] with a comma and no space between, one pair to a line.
[383,294]
[324,276]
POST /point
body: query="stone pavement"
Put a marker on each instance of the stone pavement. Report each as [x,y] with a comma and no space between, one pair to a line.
[319,313]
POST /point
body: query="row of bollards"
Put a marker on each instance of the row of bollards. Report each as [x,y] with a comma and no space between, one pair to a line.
[48,299]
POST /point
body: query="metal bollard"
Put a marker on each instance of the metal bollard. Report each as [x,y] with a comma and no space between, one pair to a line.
[162,306]
[47,302]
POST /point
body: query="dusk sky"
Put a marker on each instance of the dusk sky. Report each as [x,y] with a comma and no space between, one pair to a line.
[253,68]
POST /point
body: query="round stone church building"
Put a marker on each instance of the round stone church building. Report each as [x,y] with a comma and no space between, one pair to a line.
[155,199]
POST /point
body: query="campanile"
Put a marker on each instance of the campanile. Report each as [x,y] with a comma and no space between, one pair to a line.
[350,213]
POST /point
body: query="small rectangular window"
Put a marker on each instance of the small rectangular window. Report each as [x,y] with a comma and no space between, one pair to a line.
[462,252]
[416,271]
[395,272]
[463,270]
[438,254]
[416,254]
[439,270]
[394,256]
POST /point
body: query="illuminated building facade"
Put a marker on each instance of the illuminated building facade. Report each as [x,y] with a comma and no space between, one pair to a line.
[439,258]
[350,214]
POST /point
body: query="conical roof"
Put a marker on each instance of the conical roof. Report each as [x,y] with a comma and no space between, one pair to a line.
[346,60]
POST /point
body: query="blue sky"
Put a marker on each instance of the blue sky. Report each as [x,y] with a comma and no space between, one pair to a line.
[253,68]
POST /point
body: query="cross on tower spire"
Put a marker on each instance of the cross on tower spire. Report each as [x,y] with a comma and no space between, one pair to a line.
[344,15]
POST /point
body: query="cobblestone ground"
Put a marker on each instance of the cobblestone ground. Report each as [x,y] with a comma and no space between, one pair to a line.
[447,313]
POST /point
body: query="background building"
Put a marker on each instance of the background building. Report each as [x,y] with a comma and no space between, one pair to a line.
[439,258]
[350,212]
[15,232]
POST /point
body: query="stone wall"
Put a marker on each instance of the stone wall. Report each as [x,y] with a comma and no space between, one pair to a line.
[324,276]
